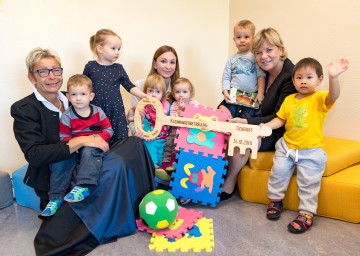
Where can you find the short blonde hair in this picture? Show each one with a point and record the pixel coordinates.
(155, 81)
(245, 24)
(80, 80)
(271, 36)
(37, 54)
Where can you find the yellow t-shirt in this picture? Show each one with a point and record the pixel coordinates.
(304, 120)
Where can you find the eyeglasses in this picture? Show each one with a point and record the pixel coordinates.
(44, 72)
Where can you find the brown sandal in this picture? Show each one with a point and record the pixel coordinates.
(300, 224)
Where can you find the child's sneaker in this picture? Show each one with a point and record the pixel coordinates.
(77, 194)
(162, 174)
(51, 208)
(170, 168)
(301, 223)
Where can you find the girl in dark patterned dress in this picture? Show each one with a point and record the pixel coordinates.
(107, 76)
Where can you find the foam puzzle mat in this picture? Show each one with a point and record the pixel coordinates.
(199, 238)
(203, 140)
(198, 178)
(200, 167)
(185, 220)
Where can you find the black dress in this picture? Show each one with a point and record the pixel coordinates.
(110, 211)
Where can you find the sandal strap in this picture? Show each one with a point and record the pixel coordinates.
(274, 206)
(304, 221)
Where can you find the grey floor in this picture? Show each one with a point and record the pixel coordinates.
(240, 228)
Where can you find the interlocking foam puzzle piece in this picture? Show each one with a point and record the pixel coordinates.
(200, 238)
(198, 178)
(198, 140)
(185, 220)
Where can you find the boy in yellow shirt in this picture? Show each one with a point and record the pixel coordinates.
(303, 115)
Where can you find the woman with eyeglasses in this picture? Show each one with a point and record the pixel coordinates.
(110, 210)
(271, 56)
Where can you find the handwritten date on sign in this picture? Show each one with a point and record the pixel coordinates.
(241, 135)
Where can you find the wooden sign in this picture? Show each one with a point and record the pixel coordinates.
(241, 135)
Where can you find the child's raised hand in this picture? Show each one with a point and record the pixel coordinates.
(338, 67)
(181, 106)
(182, 103)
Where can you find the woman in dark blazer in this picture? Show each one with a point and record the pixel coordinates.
(109, 212)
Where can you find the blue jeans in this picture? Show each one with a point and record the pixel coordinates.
(89, 161)
(240, 111)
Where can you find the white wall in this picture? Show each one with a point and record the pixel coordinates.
(201, 32)
(197, 29)
(326, 30)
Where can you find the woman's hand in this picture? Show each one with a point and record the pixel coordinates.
(238, 120)
(89, 141)
(97, 142)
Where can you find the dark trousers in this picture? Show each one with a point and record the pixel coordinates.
(239, 110)
(89, 161)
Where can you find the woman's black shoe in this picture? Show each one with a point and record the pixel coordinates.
(225, 196)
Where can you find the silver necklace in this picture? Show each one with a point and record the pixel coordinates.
(60, 106)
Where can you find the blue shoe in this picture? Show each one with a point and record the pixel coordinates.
(77, 194)
(51, 208)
